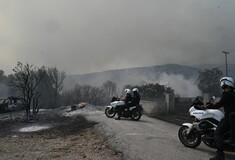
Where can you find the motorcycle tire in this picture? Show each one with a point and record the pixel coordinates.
(110, 113)
(135, 114)
(191, 140)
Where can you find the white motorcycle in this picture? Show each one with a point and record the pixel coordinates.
(202, 128)
(134, 112)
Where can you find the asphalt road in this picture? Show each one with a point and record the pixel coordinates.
(148, 139)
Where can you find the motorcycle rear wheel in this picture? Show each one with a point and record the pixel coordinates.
(110, 113)
(135, 114)
(191, 140)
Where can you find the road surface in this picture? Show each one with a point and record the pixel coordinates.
(147, 139)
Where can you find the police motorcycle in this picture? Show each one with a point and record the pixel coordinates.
(203, 127)
(134, 112)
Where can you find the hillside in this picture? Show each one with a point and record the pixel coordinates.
(131, 75)
(179, 77)
(171, 75)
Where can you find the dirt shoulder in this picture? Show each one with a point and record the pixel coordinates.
(72, 138)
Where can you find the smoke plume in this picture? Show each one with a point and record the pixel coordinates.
(183, 87)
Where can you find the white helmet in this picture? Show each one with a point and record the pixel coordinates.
(135, 90)
(127, 91)
(227, 81)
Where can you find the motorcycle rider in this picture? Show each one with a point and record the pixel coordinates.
(136, 97)
(227, 101)
(127, 100)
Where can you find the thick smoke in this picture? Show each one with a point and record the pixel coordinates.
(183, 87)
(78, 36)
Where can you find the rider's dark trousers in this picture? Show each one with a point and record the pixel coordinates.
(232, 125)
(122, 108)
(222, 127)
(127, 106)
(119, 111)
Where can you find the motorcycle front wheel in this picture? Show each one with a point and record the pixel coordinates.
(191, 140)
(109, 112)
(135, 114)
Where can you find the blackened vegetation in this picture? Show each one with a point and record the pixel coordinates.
(94, 95)
(68, 126)
(38, 87)
(208, 81)
(61, 126)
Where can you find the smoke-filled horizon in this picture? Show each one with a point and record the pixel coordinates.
(80, 36)
(182, 87)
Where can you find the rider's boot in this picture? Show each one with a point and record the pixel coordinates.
(119, 116)
(219, 156)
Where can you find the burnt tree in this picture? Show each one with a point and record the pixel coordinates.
(26, 79)
(56, 77)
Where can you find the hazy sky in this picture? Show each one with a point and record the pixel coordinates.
(80, 36)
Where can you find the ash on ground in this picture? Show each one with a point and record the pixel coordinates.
(53, 134)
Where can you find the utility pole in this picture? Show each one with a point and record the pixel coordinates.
(226, 63)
